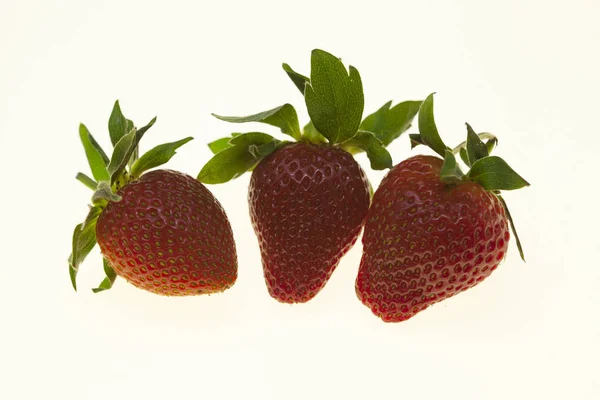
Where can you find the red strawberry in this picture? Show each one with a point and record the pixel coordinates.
(307, 205)
(168, 235)
(162, 230)
(433, 232)
(308, 200)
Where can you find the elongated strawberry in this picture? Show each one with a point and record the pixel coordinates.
(161, 230)
(308, 198)
(432, 231)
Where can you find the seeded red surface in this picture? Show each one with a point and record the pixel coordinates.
(307, 205)
(426, 241)
(169, 235)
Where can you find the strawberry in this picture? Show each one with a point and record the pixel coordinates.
(432, 231)
(161, 230)
(308, 197)
(307, 205)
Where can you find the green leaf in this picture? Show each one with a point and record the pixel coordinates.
(299, 80)
(118, 125)
(157, 156)
(428, 129)
(124, 150)
(389, 123)
(464, 156)
(476, 149)
(378, 156)
(104, 194)
(234, 161)
(92, 217)
(312, 135)
(97, 158)
(84, 241)
(334, 98)
(491, 143)
(86, 180)
(219, 145)
(284, 117)
(450, 172)
(111, 276)
(121, 154)
(493, 173)
(415, 140)
(512, 227)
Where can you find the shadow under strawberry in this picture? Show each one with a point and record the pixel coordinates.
(308, 198)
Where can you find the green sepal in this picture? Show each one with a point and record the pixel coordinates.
(235, 160)
(284, 117)
(121, 154)
(84, 241)
(476, 149)
(299, 80)
(464, 156)
(415, 140)
(92, 217)
(107, 282)
(86, 180)
(124, 150)
(450, 172)
(104, 194)
(493, 173)
(389, 123)
(312, 135)
(428, 128)
(491, 144)
(118, 125)
(219, 145)
(379, 157)
(512, 227)
(334, 98)
(159, 155)
(97, 158)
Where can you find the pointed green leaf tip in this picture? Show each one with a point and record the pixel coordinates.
(334, 98)
(159, 155)
(493, 173)
(237, 159)
(118, 125)
(284, 117)
(299, 80)
(428, 129)
(512, 227)
(84, 240)
(389, 123)
(108, 282)
(476, 149)
(97, 158)
(379, 157)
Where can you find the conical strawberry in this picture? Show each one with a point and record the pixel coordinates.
(309, 198)
(161, 230)
(432, 231)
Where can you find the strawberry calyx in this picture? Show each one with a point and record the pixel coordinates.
(334, 100)
(109, 175)
(491, 172)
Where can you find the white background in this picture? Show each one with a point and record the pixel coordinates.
(525, 70)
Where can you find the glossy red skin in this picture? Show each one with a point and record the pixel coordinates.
(169, 235)
(307, 204)
(425, 241)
